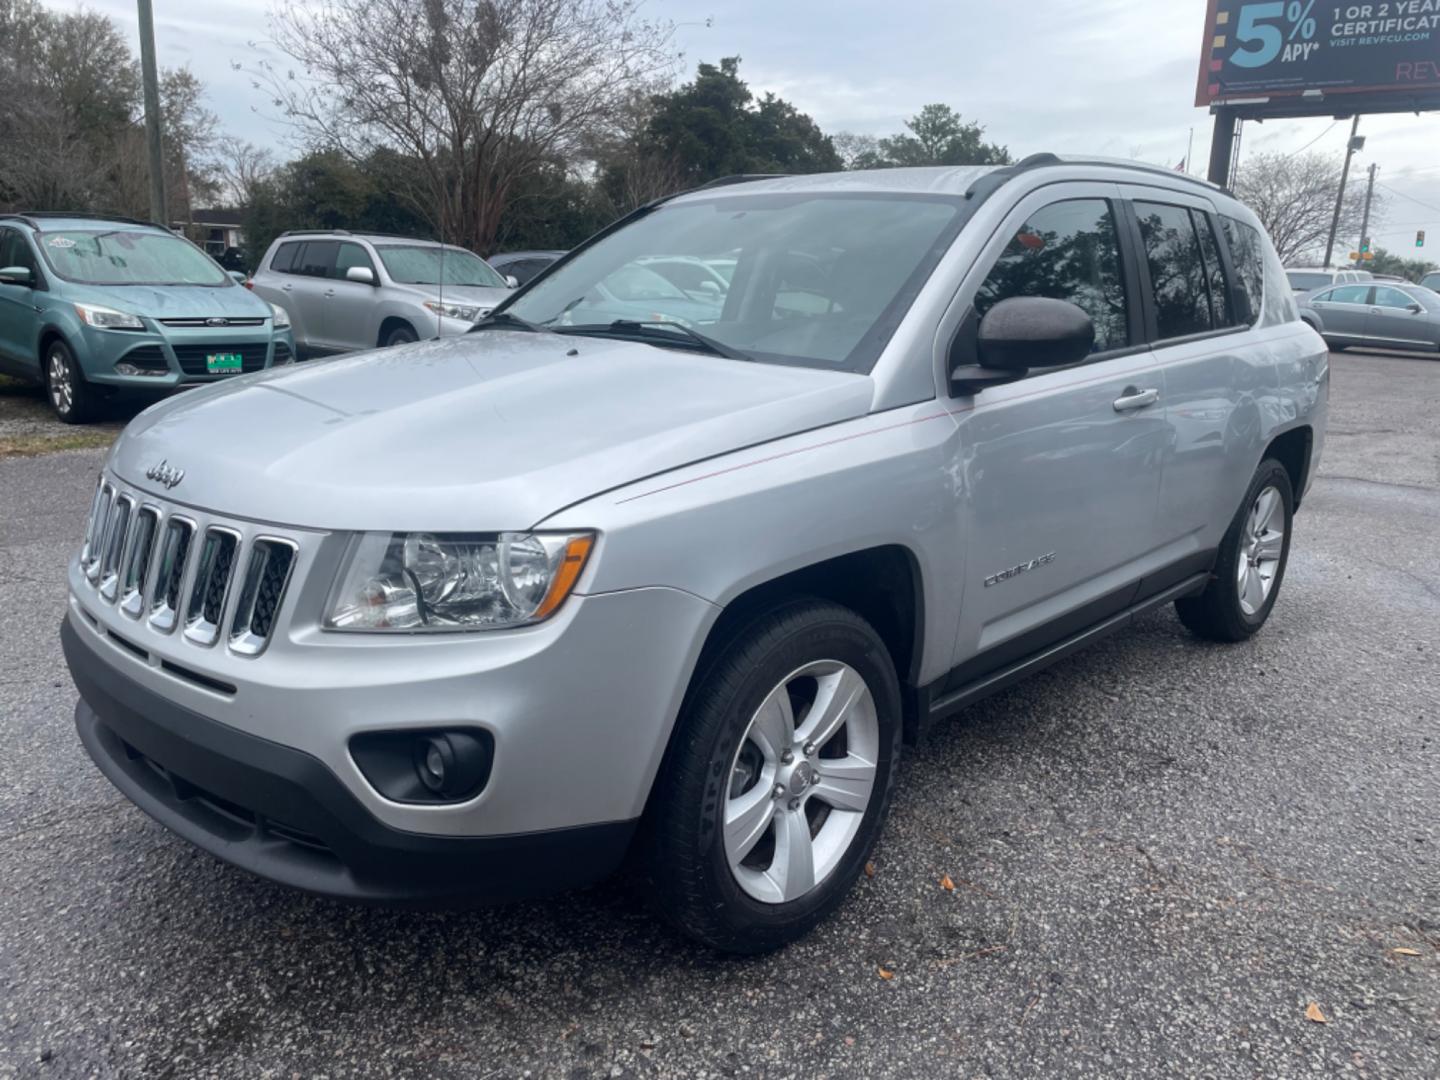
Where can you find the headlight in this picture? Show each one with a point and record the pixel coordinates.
(104, 318)
(465, 312)
(282, 317)
(455, 581)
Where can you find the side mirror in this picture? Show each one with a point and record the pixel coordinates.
(237, 276)
(17, 275)
(363, 274)
(512, 281)
(1015, 336)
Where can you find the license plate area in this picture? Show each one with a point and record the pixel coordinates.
(225, 363)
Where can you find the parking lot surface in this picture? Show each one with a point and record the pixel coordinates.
(1163, 853)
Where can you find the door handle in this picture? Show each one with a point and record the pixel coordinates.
(329, 293)
(287, 286)
(1134, 398)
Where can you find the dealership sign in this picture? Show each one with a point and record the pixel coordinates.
(1277, 48)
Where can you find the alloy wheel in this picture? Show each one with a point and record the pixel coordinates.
(62, 392)
(801, 781)
(1261, 546)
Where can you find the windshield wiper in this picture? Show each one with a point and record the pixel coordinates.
(503, 320)
(657, 330)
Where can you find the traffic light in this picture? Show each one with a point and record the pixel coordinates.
(1365, 246)
(1420, 238)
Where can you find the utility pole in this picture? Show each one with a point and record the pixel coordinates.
(1355, 143)
(1365, 221)
(153, 135)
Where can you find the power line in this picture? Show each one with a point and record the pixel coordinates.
(1312, 142)
(1409, 198)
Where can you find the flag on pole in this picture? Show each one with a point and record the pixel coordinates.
(1181, 166)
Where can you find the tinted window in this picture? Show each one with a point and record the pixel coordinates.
(1177, 271)
(1431, 281)
(317, 259)
(1220, 314)
(352, 255)
(1349, 294)
(1067, 251)
(14, 251)
(284, 261)
(1392, 298)
(1247, 255)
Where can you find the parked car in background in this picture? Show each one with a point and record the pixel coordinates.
(92, 306)
(575, 585)
(1380, 315)
(1431, 281)
(1304, 279)
(523, 265)
(350, 291)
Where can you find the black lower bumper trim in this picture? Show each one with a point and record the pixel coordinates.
(282, 814)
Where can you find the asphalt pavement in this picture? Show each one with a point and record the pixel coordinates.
(1163, 853)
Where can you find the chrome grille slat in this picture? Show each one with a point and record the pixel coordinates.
(102, 530)
(267, 574)
(119, 529)
(170, 567)
(135, 572)
(214, 569)
(164, 567)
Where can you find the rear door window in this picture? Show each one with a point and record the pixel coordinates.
(1067, 251)
(1349, 294)
(1178, 280)
(1220, 313)
(317, 259)
(1392, 298)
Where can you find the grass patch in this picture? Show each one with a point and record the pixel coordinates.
(49, 443)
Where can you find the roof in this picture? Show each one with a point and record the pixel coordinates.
(965, 180)
(71, 220)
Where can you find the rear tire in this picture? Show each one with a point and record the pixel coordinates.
(769, 802)
(71, 397)
(1250, 565)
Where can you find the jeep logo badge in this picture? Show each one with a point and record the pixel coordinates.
(165, 473)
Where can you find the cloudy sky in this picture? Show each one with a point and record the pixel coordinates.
(1113, 77)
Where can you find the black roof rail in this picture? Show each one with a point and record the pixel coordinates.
(34, 217)
(316, 232)
(986, 185)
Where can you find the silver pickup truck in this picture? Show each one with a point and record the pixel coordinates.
(679, 576)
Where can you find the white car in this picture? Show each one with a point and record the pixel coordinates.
(1304, 279)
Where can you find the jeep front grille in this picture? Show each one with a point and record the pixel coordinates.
(164, 568)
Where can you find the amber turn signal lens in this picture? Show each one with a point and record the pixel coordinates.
(576, 552)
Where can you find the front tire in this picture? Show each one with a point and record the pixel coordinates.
(70, 395)
(1250, 565)
(403, 334)
(778, 779)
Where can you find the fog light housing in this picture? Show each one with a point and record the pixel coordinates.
(429, 766)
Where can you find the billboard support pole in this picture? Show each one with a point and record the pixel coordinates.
(1340, 198)
(1222, 146)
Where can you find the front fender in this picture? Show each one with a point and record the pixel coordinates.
(719, 528)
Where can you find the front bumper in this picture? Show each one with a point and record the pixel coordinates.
(176, 356)
(283, 814)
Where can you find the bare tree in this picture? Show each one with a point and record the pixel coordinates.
(857, 151)
(242, 168)
(479, 92)
(1294, 197)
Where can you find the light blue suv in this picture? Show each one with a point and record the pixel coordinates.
(92, 306)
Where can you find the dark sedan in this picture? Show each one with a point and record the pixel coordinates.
(1376, 315)
(523, 265)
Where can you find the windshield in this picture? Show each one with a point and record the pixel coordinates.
(1431, 281)
(817, 280)
(123, 257)
(425, 265)
(1303, 282)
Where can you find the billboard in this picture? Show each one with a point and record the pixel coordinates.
(1288, 48)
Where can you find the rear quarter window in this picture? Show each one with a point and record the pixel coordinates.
(284, 260)
(1247, 253)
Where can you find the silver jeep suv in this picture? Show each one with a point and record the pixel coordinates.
(350, 291)
(473, 618)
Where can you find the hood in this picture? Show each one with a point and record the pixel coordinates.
(179, 301)
(492, 431)
(462, 294)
